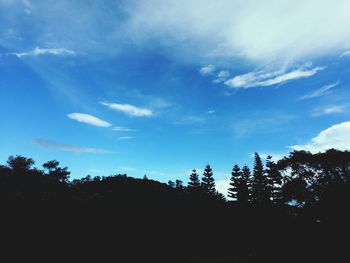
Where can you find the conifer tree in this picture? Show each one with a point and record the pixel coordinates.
(259, 182)
(274, 180)
(208, 182)
(244, 193)
(233, 191)
(194, 180)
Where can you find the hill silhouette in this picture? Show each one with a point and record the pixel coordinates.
(295, 210)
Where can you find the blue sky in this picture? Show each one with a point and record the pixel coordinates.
(161, 87)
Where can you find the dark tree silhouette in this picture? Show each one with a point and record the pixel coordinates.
(244, 189)
(19, 164)
(235, 181)
(260, 194)
(56, 172)
(179, 184)
(194, 180)
(171, 184)
(274, 181)
(208, 182)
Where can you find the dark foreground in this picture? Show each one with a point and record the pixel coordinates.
(122, 219)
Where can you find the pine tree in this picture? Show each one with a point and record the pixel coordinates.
(259, 182)
(194, 180)
(233, 191)
(274, 180)
(244, 193)
(208, 182)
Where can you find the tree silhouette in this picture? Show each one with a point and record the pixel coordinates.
(233, 191)
(260, 193)
(56, 172)
(179, 184)
(274, 180)
(194, 180)
(20, 165)
(208, 182)
(244, 189)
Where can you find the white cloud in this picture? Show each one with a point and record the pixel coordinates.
(129, 109)
(264, 79)
(55, 146)
(207, 31)
(329, 110)
(209, 112)
(122, 129)
(280, 31)
(125, 138)
(222, 186)
(320, 92)
(44, 51)
(207, 70)
(336, 136)
(89, 119)
(222, 76)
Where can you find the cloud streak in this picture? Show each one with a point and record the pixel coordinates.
(329, 110)
(207, 70)
(55, 146)
(44, 51)
(122, 129)
(129, 109)
(88, 119)
(336, 136)
(320, 92)
(265, 79)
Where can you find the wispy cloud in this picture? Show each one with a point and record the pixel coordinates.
(207, 70)
(125, 138)
(89, 119)
(44, 51)
(279, 32)
(320, 92)
(265, 79)
(129, 109)
(122, 129)
(247, 127)
(329, 110)
(55, 146)
(222, 76)
(336, 136)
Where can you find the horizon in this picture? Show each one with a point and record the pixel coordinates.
(160, 88)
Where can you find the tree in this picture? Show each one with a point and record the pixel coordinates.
(178, 184)
(244, 195)
(171, 184)
(274, 180)
(56, 172)
(259, 182)
(233, 191)
(19, 164)
(194, 180)
(208, 182)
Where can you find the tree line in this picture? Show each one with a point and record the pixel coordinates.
(295, 209)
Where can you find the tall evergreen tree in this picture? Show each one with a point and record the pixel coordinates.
(194, 180)
(233, 191)
(208, 182)
(244, 193)
(259, 182)
(274, 180)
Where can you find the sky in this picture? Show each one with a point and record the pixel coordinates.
(161, 87)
